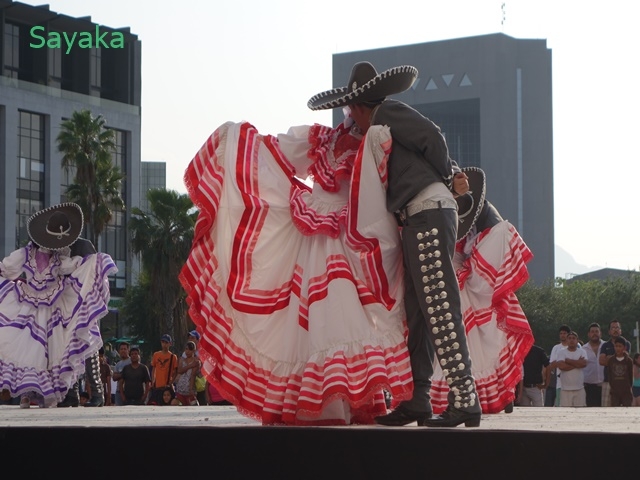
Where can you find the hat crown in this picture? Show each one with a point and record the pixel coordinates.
(366, 85)
(361, 73)
(56, 227)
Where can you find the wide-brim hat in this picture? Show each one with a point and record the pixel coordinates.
(470, 204)
(366, 85)
(56, 227)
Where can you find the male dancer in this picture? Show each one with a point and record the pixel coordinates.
(421, 191)
(83, 247)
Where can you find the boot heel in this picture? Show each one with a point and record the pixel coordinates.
(474, 422)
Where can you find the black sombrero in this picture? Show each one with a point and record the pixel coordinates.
(470, 204)
(56, 227)
(366, 85)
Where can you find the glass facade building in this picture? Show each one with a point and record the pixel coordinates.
(42, 87)
(491, 96)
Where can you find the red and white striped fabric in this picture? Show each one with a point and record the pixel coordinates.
(297, 291)
(498, 333)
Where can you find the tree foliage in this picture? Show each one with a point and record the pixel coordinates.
(578, 304)
(87, 147)
(162, 238)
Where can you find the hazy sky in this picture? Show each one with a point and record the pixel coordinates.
(200, 58)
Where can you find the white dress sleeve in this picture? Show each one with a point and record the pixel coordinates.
(69, 264)
(12, 266)
(295, 146)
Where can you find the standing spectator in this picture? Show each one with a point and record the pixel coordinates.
(135, 382)
(563, 331)
(534, 379)
(188, 367)
(550, 392)
(194, 337)
(571, 361)
(620, 374)
(105, 376)
(593, 372)
(607, 351)
(123, 352)
(164, 364)
(635, 389)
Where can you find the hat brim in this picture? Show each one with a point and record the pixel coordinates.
(41, 236)
(470, 204)
(391, 81)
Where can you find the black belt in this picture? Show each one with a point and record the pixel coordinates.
(531, 385)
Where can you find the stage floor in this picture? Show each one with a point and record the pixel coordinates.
(221, 443)
(594, 420)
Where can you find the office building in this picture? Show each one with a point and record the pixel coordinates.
(43, 80)
(492, 97)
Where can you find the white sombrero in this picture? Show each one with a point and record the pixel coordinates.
(366, 85)
(56, 227)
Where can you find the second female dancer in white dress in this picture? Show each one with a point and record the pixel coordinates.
(50, 307)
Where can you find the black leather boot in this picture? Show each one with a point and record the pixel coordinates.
(72, 398)
(92, 375)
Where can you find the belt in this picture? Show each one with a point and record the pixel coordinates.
(531, 385)
(414, 208)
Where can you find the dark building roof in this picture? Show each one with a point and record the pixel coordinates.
(37, 15)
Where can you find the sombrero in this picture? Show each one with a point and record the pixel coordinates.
(366, 85)
(470, 204)
(56, 227)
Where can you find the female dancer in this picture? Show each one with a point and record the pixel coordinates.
(297, 291)
(490, 261)
(50, 304)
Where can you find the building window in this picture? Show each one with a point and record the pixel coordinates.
(459, 121)
(55, 67)
(11, 50)
(96, 70)
(114, 241)
(30, 181)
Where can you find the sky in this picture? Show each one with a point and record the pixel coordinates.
(205, 62)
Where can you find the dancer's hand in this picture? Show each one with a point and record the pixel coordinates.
(460, 184)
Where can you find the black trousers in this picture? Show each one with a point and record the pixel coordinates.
(434, 317)
(594, 394)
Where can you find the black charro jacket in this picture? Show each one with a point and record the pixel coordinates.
(419, 154)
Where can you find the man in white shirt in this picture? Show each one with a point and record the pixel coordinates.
(553, 359)
(593, 372)
(571, 362)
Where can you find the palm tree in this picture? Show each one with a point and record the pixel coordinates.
(87, 146)
(163, 238)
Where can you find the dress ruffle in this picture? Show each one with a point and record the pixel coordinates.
(498, 333)
(297, 292)
(49, 320)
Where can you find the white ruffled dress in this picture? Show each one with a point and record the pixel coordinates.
(50, 305)
(297, 291)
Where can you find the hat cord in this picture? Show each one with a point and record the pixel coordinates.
(62, 233)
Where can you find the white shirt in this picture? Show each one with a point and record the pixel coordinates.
(572, 379)
(554, 358)
(593, 372)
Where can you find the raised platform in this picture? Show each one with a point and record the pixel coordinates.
(219, 443)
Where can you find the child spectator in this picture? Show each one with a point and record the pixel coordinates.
(188, 367)
(620, 373)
